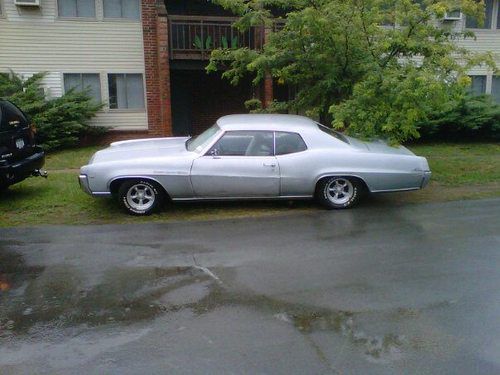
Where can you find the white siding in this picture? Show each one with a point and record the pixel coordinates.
(35, 40)
(486, 40)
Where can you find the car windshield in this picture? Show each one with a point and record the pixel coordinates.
(197, 144)
(333, 133)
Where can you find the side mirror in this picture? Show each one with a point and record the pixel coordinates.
(214, 152)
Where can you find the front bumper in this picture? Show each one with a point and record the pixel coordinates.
(425, 179)
(22, 169)
(84, 184)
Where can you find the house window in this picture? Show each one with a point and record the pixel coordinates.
(82, 82)
(472, 23)
(478, 86)
(498, 16)
(76, 8)
(122, 9)
(495, 89)
(126, 91)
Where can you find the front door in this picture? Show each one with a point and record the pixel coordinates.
(240, 165)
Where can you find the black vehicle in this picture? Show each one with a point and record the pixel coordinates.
(20, 157)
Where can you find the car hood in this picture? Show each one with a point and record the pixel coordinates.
(142, 148)
(378, 147)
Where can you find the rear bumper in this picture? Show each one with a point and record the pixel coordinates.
(22, 169)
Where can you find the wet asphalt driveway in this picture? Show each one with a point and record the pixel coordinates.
(375, 290)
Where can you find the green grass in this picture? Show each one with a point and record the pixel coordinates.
(460, 171)
(459, 164)
(70, 159)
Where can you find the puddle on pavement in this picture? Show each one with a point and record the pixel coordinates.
(34, 299)
(57, 296)
(308, 320)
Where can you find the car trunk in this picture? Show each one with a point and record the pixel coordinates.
(16, 137)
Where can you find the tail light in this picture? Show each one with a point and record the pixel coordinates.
(32, 133)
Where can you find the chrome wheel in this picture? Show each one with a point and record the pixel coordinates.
(141, 197)
(339, 191)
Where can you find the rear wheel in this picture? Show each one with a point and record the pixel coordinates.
(140, 197)
(339, 192)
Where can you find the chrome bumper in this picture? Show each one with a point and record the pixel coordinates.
(426, 178)
(84, 184)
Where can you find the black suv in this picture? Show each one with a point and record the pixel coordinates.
(19, 156)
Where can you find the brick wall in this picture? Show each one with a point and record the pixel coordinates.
(155, 35)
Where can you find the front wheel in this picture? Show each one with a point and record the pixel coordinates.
(140, 197)
(339, 192)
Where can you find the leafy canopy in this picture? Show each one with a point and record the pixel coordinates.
(371, 67)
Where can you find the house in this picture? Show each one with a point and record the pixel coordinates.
(145, 59)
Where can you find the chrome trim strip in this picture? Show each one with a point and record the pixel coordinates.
(394, 190)
(242, 198)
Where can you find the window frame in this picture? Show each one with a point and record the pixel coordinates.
(494, 6)
(72, 18)
(273, 154)
(290, 153)
(493, 78)
(101, 99)
(485, 91)
(209, 150)
(122, 19)
(129, 110)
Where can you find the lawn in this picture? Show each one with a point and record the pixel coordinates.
(460, 171)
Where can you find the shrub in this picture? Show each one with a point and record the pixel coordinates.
(60, 122)
(471, 118)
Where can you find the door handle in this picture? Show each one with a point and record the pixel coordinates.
(272, 165)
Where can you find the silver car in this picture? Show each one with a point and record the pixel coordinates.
(252, 157)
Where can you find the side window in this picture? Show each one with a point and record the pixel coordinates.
(244, 143)
(289, 143)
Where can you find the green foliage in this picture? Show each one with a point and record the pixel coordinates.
(61, 122)
(471, 118)
(254, 105)
(369, 67)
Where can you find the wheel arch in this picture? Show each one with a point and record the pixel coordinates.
(114, 184)
(346, 175)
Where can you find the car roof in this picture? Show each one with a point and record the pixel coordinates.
(266, 122)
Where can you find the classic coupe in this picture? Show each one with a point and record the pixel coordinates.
(252, 157)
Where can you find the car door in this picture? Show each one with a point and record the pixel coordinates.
(241, 164)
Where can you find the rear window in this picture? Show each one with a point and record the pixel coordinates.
(333, 133)
(11, 117)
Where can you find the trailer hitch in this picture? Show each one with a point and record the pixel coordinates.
(40, 173)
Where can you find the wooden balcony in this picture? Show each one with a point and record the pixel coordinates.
(194, 37)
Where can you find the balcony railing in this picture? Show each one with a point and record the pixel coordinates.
(194, 37)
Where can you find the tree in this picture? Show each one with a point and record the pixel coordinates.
(370, 67)
(60, 122)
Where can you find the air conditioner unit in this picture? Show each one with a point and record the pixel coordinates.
(455, 15)
(27, 3)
